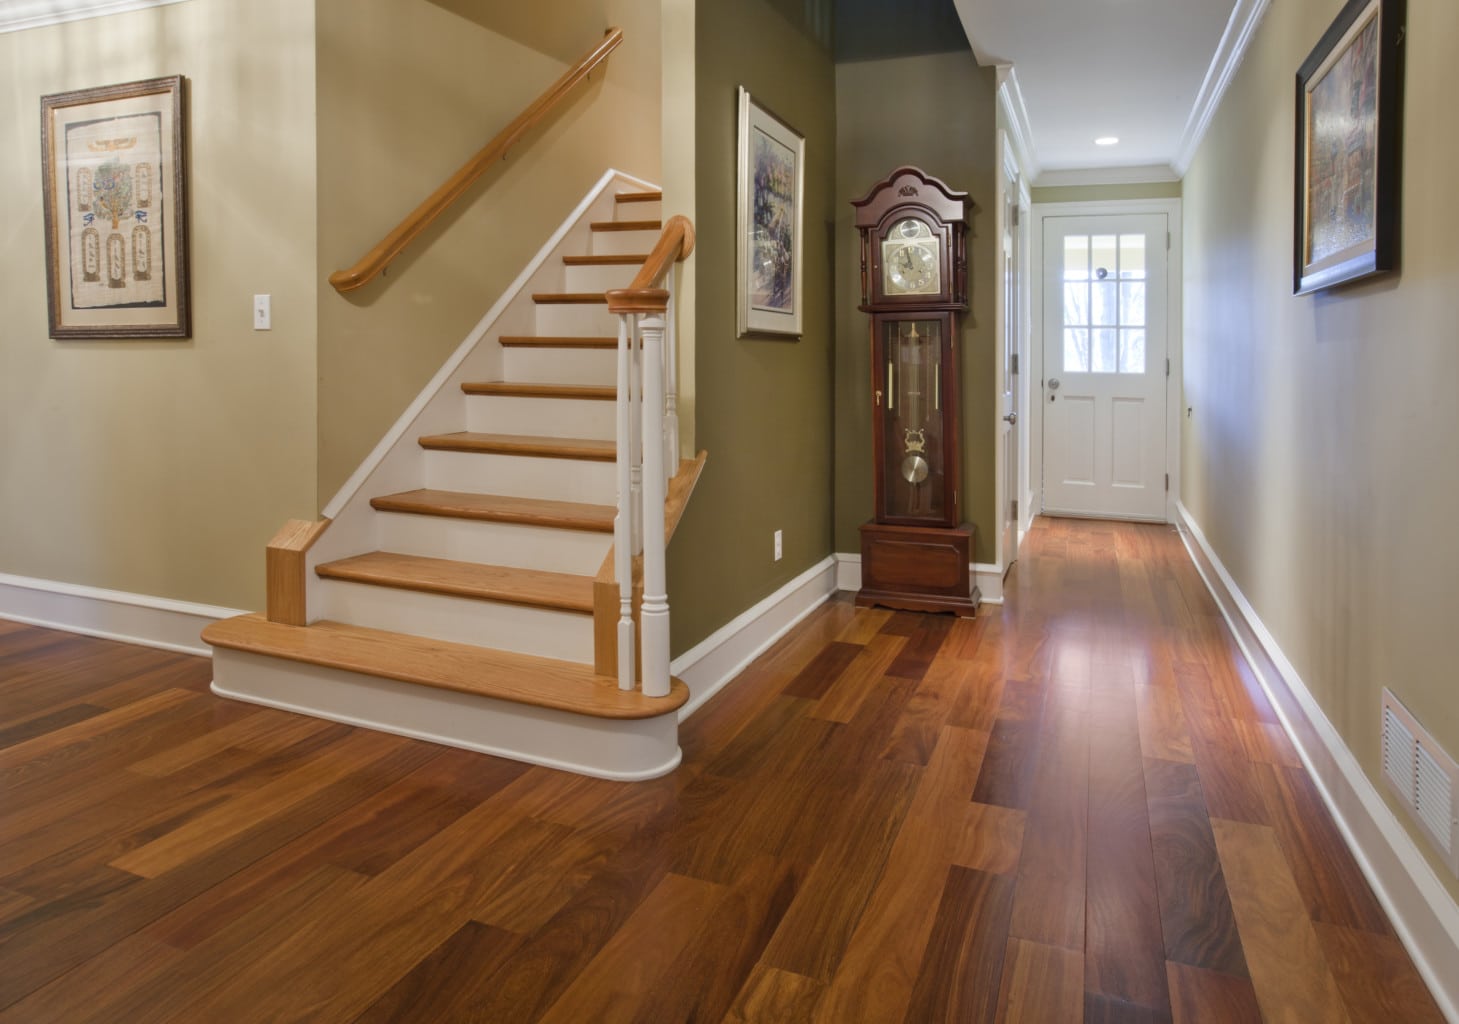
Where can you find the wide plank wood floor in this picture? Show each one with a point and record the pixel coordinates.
(1076, 806)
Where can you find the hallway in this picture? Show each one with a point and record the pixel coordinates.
(1076, 806)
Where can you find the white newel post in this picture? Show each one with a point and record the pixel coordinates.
(671, 384)
(654, 614)
(623, 520)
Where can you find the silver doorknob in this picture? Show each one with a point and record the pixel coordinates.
(1011, 418)
(1053, 383)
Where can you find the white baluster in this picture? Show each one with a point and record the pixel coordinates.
(671, 383)
(623, 520)
(635, 432)
(654, 615)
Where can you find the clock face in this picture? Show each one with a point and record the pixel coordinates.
(910, 264)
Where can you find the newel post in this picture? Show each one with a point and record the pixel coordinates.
(623, 521)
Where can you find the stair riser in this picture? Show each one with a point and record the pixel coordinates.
(547, 633)
(522, 476)
(562, 365)
(573, 318)
(541, 417)
(610, 749)
(638, 211)
(600, 278)
(513, 544)
(623, 243)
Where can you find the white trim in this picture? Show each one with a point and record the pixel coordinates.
(1137, 175)
(989, 578)
(1240, 28)
(1020, 129)
(1423, 913)
(20, 15)
(710, 665)
(110, 614)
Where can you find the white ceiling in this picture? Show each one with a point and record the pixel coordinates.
(1147, 71)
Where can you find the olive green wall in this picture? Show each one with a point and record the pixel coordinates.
(409, 90)
(1102, 193)
(949, 133)
(163, 467)
(763, 406)
(1318, 456)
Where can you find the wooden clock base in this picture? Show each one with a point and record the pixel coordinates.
(918, 568)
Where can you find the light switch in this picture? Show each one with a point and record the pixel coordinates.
(262, 317)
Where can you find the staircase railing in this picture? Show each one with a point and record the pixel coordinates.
(648, 451)
(374, 262)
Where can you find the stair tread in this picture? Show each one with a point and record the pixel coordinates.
(518, 389)
(519, 678)
(523, 444)
(556, 590)
(627, 225)
(558, 341)
(566, 298)
(502, 508)
(639, 197)
(605, 261)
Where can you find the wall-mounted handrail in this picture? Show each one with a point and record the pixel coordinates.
(378, 258)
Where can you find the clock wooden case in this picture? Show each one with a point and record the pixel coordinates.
(916, 551)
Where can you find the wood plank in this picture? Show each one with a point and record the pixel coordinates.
(520, 389)
(843, 700)
(500, 508)
(558, 591)
(627, 225)
(570, 298)
(1041, 984)
(1012, 757)
(773, 996)
(815, 679)
(447, 980)
(921, 647)
(605, 261)
(963, 967)
(1163, 730)
(590, 449)
(285, 572)
(654, 196)
(557, 341)
(1378, 981)
(920, 724)
(1199, 996)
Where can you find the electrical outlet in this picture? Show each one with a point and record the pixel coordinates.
(262, 313)
(779, 546)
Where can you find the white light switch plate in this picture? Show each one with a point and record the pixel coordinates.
(262, 315)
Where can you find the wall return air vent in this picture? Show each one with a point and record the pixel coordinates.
(1424, 777)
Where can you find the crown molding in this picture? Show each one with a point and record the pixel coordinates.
(19, 15)
(1240, 28)
(1020, 131)
(1137, 175)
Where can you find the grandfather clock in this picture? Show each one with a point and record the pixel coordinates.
(915, 553)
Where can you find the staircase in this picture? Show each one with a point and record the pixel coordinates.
(450, 591)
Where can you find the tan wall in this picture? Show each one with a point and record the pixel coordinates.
(949, 133)
(1103, 193)
(162, 467)
(763, 406)
(409, 90)
(1318, 458)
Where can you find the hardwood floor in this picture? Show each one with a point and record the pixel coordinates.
(1075, 806)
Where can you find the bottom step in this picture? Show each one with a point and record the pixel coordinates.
(537, 710)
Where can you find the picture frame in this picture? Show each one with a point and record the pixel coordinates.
(114, 182)
(770, 214)
(1349, 147)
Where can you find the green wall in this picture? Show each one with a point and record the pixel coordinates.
(949, 133)
(763, 406)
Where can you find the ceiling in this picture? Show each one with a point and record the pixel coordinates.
(1146, 71)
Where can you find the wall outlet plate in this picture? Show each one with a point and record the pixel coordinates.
(779, 546)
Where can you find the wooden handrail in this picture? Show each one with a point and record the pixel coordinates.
(389, 247)
(644, 295)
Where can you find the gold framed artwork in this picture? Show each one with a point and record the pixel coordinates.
(769, 213)
(114, 181)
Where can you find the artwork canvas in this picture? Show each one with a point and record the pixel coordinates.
(115, 211)
(771, 185)
(1347, 186)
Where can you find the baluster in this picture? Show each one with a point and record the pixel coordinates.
(654, 615)
(671, 383)
(635, 432)
(623, 520)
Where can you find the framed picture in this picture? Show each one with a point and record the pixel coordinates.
(1349, 123)
(771, 200)
(116, 211)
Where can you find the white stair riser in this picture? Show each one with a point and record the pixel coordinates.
(525, 365)
(595, 278)
(638, 211)
(541, 417)
(515, 544)
(567, 636)
(573, 319)
(624, 243)
(523, 476)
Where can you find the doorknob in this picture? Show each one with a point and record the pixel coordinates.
(1011, 418)
(1053, 383)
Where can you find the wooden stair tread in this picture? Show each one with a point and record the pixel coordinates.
(567, 298)
(556, 590)
(522, 444)
(516, 389)
(557, 341)
(627, 225)
(638, 197)
(604, 261)
(500, 508)
(519, 678)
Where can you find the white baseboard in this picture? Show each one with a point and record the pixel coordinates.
(110, 614)
(989, 578)
(1424, 915)
(712, 663)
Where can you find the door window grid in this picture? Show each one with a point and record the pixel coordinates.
(1104, 303)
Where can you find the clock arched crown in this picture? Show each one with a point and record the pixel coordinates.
(902, 264)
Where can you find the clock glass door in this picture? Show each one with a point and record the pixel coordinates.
(912, 441)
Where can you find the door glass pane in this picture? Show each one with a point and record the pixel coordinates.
(1103, 256)
(1076, 304)
(1102, 354)
(1132, 351)
(1132, 303)
(1076, 351)
(1076, 258)
(1132, 257)
(1103, 295)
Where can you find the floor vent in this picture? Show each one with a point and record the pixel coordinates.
(1423, 776)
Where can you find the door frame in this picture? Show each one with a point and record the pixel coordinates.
(1010, 174)
(1174, 347)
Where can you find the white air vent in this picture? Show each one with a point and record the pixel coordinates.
(1423, 776)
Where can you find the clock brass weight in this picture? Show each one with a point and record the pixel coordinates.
(916, 553)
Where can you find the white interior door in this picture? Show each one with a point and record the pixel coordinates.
(1104, 365)
(1012, 331)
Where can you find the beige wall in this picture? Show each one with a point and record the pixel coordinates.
(409, 90)
(1318, 457)
(950, 133)
(1103, 193)
(162, 467)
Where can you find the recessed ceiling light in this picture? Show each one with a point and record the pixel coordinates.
(1107, 140)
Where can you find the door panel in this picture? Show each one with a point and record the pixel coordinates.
(1104, 365)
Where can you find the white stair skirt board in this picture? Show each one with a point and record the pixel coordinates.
(522, 476)
(600, 278)
(713, 663)
(531, 365)
(622, 749)
(987, 578)
(541, 417)
(110, 614)
(623, 243)
(556, 319)
(521, 546)
(548, 633)
(1425, 917)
